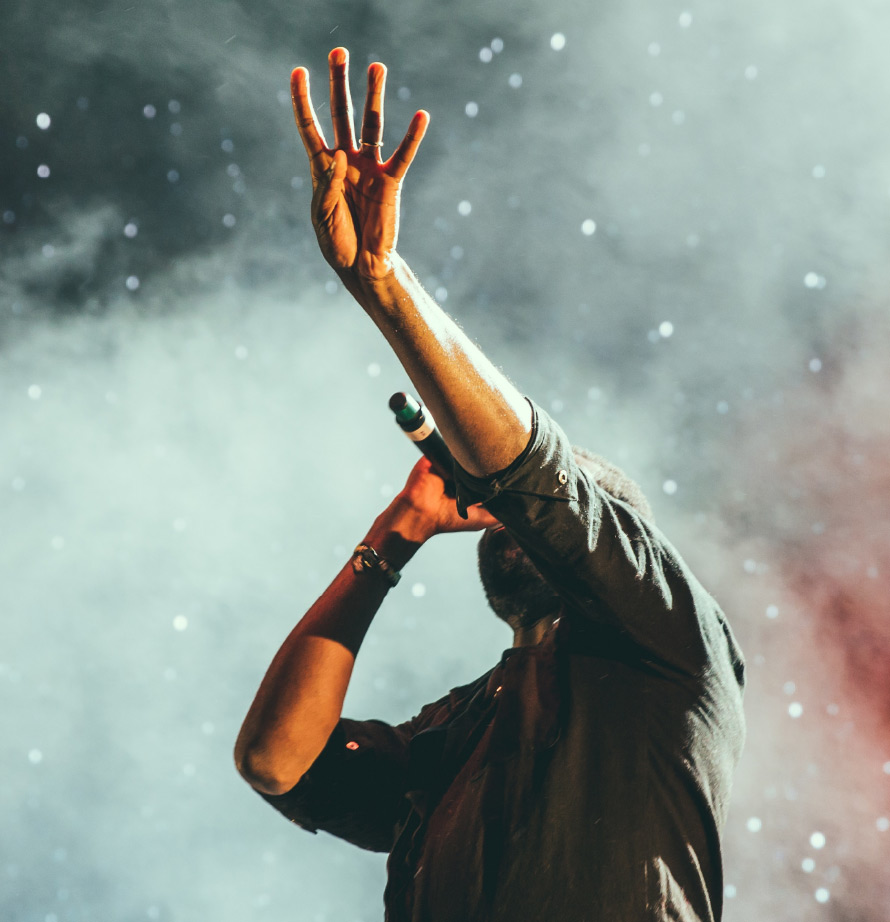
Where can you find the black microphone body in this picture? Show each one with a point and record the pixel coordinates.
(417, 423)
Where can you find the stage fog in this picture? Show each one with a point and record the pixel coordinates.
(668, 224)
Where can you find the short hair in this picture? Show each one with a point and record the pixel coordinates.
(613, 480)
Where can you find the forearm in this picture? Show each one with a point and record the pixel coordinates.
(483, 418)
(301, 696)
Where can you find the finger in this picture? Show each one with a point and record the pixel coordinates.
(398, 163)
(304, 114)
(341, 100)
(424, 465)
(372, 120)
(479, 518)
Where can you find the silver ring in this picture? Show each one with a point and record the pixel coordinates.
(362, 143)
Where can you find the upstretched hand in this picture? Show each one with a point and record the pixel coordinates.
(355, 201)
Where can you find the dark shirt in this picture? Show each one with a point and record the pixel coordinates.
(583, 779)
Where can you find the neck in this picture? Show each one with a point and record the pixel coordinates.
(534, 634)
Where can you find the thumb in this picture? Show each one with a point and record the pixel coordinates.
(330, 184)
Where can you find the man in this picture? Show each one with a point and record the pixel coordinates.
(586, 776)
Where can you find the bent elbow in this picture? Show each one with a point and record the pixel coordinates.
(264, 774)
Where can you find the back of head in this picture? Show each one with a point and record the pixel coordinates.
(613, 480)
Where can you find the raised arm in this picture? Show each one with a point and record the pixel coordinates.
(355, 211)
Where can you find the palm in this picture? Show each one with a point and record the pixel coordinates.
(355, 205)
(362, 224)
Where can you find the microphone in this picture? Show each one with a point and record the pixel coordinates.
(418, 424)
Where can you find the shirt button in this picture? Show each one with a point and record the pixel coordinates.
(562, 477)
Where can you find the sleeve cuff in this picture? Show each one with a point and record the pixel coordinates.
(472, 490)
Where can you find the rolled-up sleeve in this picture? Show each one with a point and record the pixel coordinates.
(355, 787)
(607, 561)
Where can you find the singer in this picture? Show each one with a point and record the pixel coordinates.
(586, 776)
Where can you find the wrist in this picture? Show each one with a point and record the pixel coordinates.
(377, 274)
(371, 285)
(365, 557)
(399, 532)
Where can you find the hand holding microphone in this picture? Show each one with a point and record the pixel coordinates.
(417, 423)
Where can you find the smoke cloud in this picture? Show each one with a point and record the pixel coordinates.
(667, 223)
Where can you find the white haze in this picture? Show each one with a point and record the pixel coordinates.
(188, 458)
